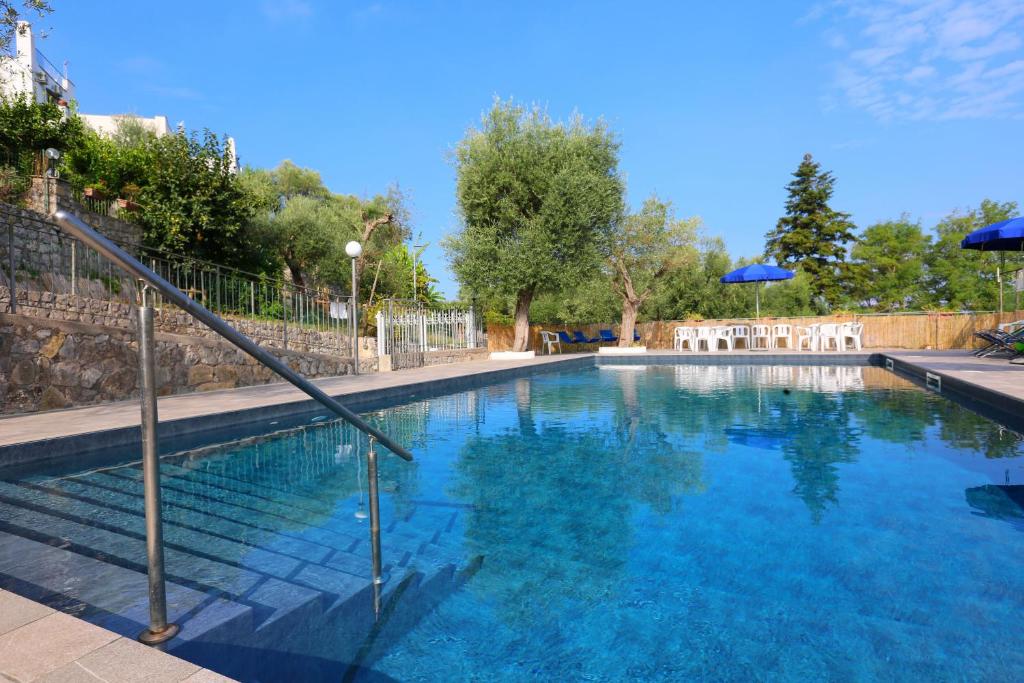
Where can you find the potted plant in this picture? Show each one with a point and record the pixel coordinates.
(127, 199)
(97, 190)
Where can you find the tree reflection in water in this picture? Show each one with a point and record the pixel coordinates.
(585, 476)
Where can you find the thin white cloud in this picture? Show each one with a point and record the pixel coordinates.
(927, 59)
(920, 73)
(284, 10)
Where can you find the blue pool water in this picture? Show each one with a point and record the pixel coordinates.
(614, 523)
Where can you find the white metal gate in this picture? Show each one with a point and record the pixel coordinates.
(406, 331)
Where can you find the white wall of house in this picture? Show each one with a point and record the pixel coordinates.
(106, 124)
(29, 72)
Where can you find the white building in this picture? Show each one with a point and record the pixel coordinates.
(30, 72)
(107, 125)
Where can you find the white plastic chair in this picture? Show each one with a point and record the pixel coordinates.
(829, 332)
(808, 335)
(702, 335)
(782, 333)
(549, 340)
(853, 332)
(719, 334)
(683, 336)
(741, 332)
(758, 332)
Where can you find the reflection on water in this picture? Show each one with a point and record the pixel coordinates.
(998, 501)
(667, 522)
(623, 522)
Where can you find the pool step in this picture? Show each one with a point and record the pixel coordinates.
(191, 519)
(108, 595)
(249, 567)
(222, 505)
(213, 627)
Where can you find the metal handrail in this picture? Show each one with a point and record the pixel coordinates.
(79, 229)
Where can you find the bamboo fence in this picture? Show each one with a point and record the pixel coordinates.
(881, 331)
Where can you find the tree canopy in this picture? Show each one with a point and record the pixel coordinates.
(535, 198)
(888, 271)
(308, 226)
(27, 127)
(959, 278)
(12, 12)
(812, 234)
(647, 246)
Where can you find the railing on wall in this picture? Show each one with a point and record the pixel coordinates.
(406, 330)
(55, 272)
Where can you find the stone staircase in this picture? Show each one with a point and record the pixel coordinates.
(266, 582)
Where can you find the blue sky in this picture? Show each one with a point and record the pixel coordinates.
(916, 105)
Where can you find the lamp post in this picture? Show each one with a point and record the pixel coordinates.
(354, 250)
(415, 255)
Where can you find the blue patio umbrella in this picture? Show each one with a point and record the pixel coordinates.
(757, 273)
(1002, 236)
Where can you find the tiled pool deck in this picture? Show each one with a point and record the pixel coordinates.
(40, 644)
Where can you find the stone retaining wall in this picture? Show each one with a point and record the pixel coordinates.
(454, 356)
(49, 194)
(41, 303)
(48, 364)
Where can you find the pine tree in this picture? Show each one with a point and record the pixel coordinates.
(812, 235)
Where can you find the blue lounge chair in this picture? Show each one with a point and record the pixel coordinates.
(607, 336)
(636, 335)
(581, 338)
(564, 337)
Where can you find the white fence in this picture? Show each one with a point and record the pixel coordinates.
(406, 330)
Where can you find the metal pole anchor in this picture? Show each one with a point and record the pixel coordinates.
(159, 630)
(371, 474)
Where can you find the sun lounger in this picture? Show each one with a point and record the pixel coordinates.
(1000, 342)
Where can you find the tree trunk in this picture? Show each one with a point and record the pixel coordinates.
(296, 272)
(522, 321)
(629, 311)
(370, 227)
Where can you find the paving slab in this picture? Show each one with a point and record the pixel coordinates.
(47, 644)
(53, 647)
(16, 611)
(132, 662)
(207, 676)
(992, 373)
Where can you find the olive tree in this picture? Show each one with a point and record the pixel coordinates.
(307, 226)
(646, 246)
(535, 199)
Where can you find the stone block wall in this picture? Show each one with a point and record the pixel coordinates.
(49, 194)
(454, 356)
(45, 303)
(48, 364)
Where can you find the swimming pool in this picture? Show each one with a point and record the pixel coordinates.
(614, 522)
